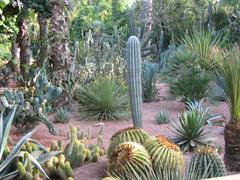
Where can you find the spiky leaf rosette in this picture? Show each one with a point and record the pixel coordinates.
(190, 130)
(130, 134)
(206, 157)
(130, 161)
(167, 158)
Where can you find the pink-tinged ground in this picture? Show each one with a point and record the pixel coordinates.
(95, 171)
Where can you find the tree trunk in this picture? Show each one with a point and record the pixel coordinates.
(232, 146)
(60, 51)
(24, 44)
(43, 28)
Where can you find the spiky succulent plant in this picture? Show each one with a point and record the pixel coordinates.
(130, 160)
(162, 117)
(167, 158)
(130, 134)
(190, 130)
(206, 157)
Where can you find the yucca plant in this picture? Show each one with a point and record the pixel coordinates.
(228, 73)
(105, 99)
(205, 45)
(189, 130)
(61, 115)
(163, 117)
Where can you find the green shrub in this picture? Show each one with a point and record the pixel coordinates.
(105, 99)
(192, 84)
(189, 130)
(163, 117)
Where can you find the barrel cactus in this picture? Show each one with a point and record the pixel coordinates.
(130, 161)
(167, 158)
(207, 163)
(130, 134)
(134, 64)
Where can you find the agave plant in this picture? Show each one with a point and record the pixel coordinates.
(189, 130)
(105, 99)
(6, 171)
(163, 117)
(228, 73)
(205, 111)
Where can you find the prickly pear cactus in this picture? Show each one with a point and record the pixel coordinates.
(129, 159)
(167, 158)
(207, 162)
(134, 64)
(127, 135)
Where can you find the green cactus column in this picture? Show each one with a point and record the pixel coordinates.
(134, 63)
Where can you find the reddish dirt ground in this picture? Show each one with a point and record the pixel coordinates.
(95, 171)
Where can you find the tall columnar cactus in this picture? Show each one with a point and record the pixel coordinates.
(167, 158)
(130, 160)
(127, 135)
(134, 63)
(207, 163)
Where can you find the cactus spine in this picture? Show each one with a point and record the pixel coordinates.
(134, 63)
(207, 163)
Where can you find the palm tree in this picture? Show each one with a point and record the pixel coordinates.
(59, 39)
(229, 75)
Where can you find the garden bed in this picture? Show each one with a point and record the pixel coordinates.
(95, 171)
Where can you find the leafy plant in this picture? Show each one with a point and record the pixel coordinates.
(105, 99)
(189, 130)
(205, 45)
(163, 117)
(61, 115)
(192, 84)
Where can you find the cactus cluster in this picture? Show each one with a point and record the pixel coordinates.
(167, 158)
(59, 168)
(77, 152)
(127, 158)
(130, 134)
(26, 169)
(207, 163)
(134, 64)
